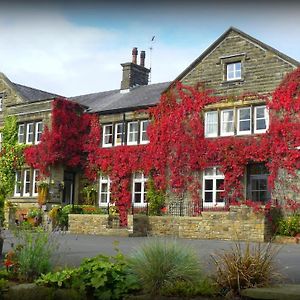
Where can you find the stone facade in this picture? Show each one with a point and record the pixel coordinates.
(240, 223)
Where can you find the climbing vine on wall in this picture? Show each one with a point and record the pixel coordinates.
(63, 142)
(11, 158)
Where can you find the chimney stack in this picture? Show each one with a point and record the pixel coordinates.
(134, 74)
(134, 55)
(142, 60)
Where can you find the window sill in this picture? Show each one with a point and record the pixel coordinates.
(233, 82)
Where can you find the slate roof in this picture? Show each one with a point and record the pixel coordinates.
(246, 36)
(114, 101)
(32, 95)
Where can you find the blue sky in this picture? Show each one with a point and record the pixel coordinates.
(77, 47)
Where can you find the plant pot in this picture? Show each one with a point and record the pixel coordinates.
(42, 194)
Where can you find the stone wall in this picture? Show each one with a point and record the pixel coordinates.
(240, 223)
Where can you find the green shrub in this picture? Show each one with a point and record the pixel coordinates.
(289, 226)
(102, 277)
(161, 264)
(155, 198)
(33, 253)
(186, 289)
(240, 268)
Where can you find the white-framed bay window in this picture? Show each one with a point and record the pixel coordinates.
(144, 139)
(261, 119)
(244, 120)
(139, 189)
(26, 183)
(29, 133)
(104, 190)
(107, 137)
(35, 178)
(18, 184)
(38, 131)
(213, 187)
(211, 124)
(132, 133)
(227, 122)
(119, 134)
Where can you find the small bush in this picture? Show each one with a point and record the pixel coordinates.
(186, 289)
(240, 268)
(33, 253)
(160, 265)
(289, 226)
(101, 277)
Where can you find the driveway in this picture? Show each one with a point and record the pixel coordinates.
(73, 248)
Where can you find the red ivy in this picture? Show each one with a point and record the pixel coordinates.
(64, 141)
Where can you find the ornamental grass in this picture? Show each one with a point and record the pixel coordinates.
(161, 264)
(245, 267)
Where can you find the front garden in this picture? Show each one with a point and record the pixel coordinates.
(158, 269)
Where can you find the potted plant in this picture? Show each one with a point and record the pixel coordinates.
(34, 216)
(43, 190)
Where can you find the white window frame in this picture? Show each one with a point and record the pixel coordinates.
(18, 180)
(132, 132)
(144, 131)
(104, 135)
(26, 194)
(34, 182)
(122, 134)
(143, 181)
(215, 134)
(37, 132)
(21, 134)
(104, 179)
(214, 191)
(29, 133)
(224, 133)
(256, 119)
(235, 77)
(241, 132)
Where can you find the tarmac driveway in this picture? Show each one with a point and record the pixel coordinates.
(73, 248)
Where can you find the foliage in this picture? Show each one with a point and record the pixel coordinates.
(155, 198)
(289, 225)
(191, 289)
(89, 193)
(35, 213)
(60, 214)
(161, 264)
(11, 159)
(64, 142)
(33, 253)
(102, 277)
(245, 267)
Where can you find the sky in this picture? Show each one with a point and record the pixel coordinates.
(76, 47)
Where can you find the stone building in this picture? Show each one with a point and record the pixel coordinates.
(234, 64)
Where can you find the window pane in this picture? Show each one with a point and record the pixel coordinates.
(227, 121)
(245, 113)
(208, 184)
(260, 112)
(138, 187)
(104, 187)
(261, 124)
(220, 184)
(218, 172)
(219, 197)
(245, 125)
(211, 123)
(209, 171)
(208, 197)
(137, 198)
(103, 198)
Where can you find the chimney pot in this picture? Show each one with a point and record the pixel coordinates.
(134, 55)
(142, 60)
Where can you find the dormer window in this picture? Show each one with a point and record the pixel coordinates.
(234, 71)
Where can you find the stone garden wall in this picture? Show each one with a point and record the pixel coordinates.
(240, 223)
